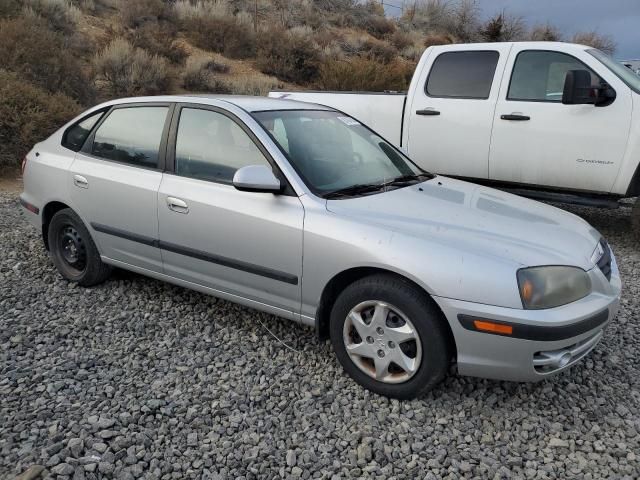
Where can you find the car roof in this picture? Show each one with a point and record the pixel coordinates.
(245, 102)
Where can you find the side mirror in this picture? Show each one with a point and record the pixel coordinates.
(578, 90)
(256, 178)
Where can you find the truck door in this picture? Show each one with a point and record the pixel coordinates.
(539, 141)
(451, 109)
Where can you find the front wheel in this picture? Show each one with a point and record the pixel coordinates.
(73, 252)
(390, 337)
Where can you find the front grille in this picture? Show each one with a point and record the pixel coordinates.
(604, 263)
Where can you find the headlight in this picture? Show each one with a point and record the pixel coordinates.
(552, 286)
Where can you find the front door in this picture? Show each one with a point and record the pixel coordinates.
(451, 114)
(539, 141)
(114, 183)
(241, 243)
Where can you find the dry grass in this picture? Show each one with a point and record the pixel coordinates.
(253, 85)
(363, 74)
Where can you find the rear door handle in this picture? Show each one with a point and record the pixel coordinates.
(427, 112)
(80, 181)
(177, 205)
(515, 117)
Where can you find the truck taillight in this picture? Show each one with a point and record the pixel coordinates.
(24, 164)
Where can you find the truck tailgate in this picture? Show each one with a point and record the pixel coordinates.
(381, 112)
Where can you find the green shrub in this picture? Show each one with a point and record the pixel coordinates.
(60, 15)
(199, 76)
(135, 13)
(225, 35)
(159, 39)
(124, 70)
(28, 114)
(290, 55)
(43, 57)
(9, 8)
(363, 74)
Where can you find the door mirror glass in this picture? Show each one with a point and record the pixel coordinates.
(256, 178)
(578, 89)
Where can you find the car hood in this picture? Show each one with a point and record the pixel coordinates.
(478, 220)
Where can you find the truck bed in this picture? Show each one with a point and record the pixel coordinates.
(380, 111)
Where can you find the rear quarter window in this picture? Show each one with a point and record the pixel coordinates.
(75, 136)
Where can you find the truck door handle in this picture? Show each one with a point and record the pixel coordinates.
(515, 116)
(80, 181)
(177, 205)
(428, 112)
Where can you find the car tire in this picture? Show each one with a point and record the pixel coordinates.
(635, 219)
(391, 308)
(73, 251)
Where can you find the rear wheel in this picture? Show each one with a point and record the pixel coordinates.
(390, 336)
(73, 252)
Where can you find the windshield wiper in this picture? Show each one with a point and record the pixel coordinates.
(404, 179)
(374, 187)
(355, 190)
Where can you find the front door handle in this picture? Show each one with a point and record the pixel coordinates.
(80, 181)
(177, 205)
(516, 117)
(428, 112)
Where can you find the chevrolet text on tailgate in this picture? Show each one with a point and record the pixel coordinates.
(547, 120)
(302, 211)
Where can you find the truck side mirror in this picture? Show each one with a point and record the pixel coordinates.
(578, 90)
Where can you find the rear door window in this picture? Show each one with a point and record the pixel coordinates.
(462, 74)
(131, 135)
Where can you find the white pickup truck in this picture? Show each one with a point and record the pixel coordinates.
(554, 121)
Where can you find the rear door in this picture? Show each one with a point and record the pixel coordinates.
(451, 111)
(114, 182)
(242, 243)
(538, 141)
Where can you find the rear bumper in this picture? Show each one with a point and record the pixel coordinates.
(32, 210)
(549, 340)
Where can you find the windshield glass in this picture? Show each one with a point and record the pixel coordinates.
(333, 152)
(625, 74)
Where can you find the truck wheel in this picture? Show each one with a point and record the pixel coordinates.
(390, 337)
(635, 218)
(73, 252)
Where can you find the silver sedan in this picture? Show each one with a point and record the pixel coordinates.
(302, 211)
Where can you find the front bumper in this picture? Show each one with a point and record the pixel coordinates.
(554, 339)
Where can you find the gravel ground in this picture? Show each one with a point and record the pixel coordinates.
(140, 379)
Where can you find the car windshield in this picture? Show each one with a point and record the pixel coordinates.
(624, 73)
(338, 156)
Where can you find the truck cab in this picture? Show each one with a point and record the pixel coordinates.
(550, 120)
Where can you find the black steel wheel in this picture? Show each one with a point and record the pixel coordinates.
(73, 251)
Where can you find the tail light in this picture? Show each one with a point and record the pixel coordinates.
(24, 164)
